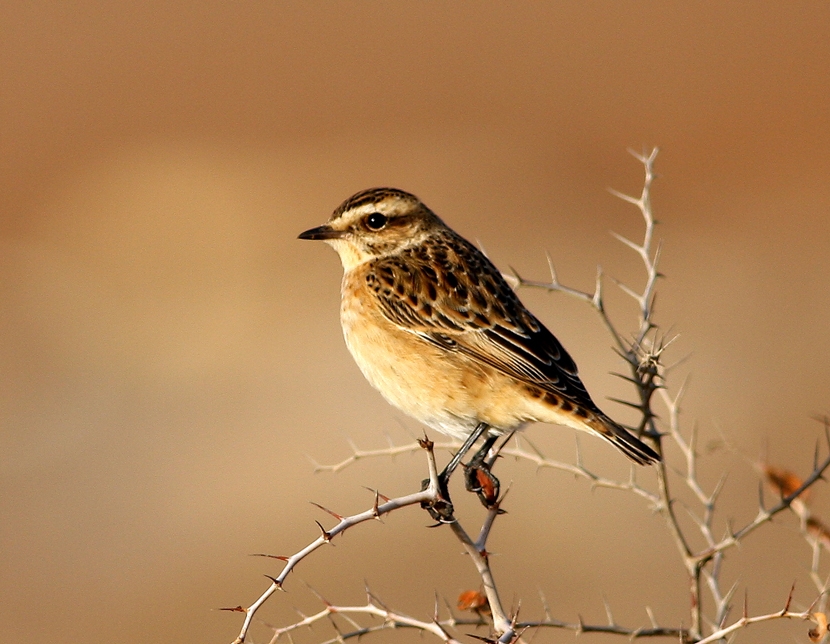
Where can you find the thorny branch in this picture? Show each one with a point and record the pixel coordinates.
(429, 495)
(503, 625)
(529, 453)
(477, 551)
(441, 627)
(643, 354)
(390, 619)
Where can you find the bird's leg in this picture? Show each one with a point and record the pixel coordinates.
(477, 475)
(466, 447)
(442, 510)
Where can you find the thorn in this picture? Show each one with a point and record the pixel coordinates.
(378, 601)
(274, 581)
(385, 498)
(657, 252)
(449, 608)
(633, 381)
(280, 557)
(443, 630)
(504, 443)
(598, 284)
(729, 530)
(637, 406)
(628, 291)
(727, 598)
(336, 628)
(532, 445)
(698, 521)
(235, 609)
(545, 604)
(515, 617)
(553, 278)
(630, 357)
(314, 592)
(351, 621)
(334, 514)
(761, 503)
(375, 510)
(623, 196)
(632, 245)
(693, 440)
(608, 612)
(326, 536)
(814, 602)
(789, 599)
(746, 603)
(488, 640)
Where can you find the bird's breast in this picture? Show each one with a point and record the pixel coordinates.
(438, 387)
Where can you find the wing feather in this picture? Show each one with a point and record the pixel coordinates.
(449, 294)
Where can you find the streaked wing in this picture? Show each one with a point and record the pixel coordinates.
(451, 295)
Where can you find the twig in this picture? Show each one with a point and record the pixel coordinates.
(391, 619)
(429, 495)
(533, 455)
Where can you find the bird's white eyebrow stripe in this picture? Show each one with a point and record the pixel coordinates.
(371, 197)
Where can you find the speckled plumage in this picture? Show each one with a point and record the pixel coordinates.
(436, 329)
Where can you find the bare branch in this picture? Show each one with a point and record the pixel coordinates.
(430, 495)
(390, 619)
(745, 621)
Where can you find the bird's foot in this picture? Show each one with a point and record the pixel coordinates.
(479, 479)
(441, 508)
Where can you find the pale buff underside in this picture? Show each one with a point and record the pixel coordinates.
(444, 390)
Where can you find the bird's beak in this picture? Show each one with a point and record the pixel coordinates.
(323, 232)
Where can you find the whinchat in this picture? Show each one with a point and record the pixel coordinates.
(435, 328)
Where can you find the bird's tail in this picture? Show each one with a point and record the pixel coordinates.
(624, 440)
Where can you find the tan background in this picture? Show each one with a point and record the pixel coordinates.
(170, 353)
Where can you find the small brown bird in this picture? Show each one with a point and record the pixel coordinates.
(435, 328)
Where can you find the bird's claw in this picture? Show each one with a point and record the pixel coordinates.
(479, 479)
(440, 509)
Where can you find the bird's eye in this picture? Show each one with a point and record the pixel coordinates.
(376, 221)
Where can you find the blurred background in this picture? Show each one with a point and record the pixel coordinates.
(170, 354)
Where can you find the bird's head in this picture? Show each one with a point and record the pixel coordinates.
(375, 223)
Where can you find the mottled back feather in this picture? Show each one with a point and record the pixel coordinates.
(448, 293)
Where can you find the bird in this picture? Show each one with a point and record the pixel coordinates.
(437, 330)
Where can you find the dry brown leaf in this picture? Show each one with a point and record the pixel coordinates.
(473, 600)
(783, 481)
(817, 634)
